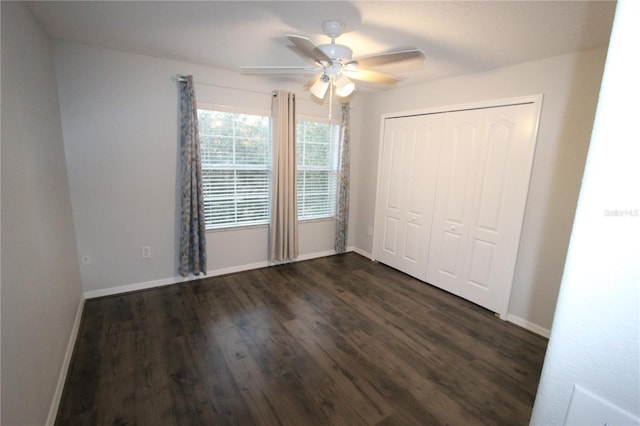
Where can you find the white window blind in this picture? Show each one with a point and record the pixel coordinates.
(317, 146)
(236, 157)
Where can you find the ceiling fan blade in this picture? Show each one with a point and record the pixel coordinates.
(387, 58)
(368, 75)
(278, 70)
(306, 47)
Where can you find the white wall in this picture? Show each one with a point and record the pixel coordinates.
(41, 290)
(570, 85)
(119, 117)
(595, 340)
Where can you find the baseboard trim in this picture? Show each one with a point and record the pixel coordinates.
(66, 363)
(136, 286)
(528, 325)
(360, 252)
(211, 273)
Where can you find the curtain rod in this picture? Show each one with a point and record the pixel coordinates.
(273, 93)
(183, 78)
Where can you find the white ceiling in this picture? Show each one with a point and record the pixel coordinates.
(458, 37)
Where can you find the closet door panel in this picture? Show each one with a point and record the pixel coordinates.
(390, 239)
(481, 260)
(493, 176)
(449, 256)
(413, 243)
(458, 165)
(486, 218)
(461, 138)
(392, 172)
(407, 178)
(504, 169)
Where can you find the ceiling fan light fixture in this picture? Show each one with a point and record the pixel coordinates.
(319, 88)
(344, 86)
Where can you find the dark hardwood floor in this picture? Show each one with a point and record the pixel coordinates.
(338, 340)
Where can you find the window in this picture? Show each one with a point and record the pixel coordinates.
(236, 168)
(236, 159)
(317, 145)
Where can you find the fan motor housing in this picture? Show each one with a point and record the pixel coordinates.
(336, 51)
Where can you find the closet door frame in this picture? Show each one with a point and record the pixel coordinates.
(492, 103)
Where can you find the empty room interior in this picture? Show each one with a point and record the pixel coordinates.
(319, 212)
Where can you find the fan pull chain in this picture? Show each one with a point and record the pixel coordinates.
(330, 97)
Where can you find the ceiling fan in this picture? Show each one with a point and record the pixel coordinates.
(335, 64)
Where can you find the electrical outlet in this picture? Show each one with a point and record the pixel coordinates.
(146, 252)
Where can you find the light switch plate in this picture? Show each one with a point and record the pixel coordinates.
(586, 409)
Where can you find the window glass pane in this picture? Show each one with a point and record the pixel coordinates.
(217, 183)
(205, 120)
(218, 212)
(251, 126)
(317, 146)
(252, 181)
(252, 151)
(315, 204)
(300, 148)
(316, 181)
(317, 154)
(235, 151)
(216, 149)
(252, 209)
(317, 132)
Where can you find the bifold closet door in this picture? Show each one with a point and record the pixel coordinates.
(406, 192)
(485, 168)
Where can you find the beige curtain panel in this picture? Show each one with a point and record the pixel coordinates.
(283, 229)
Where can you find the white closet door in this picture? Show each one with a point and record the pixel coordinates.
(485, 167)
(406, 192)
(500, 196)
(461, 145)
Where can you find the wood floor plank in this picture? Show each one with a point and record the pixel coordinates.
(374, 381)
(331, 341)
(462, 349)
(368, 406)
(445, 407)
(253, 359)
